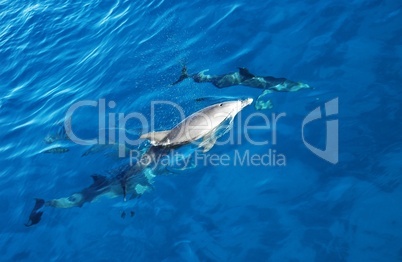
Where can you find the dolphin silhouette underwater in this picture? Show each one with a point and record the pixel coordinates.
(243, 77)
(203, 125)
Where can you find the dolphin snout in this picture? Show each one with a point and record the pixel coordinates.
(247, 102)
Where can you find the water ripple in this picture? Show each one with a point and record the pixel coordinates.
(55, 53)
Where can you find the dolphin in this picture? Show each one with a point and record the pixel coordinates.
(243, 77)
(134, 180)
(203, 124)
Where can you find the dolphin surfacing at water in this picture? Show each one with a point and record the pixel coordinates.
(202, 124)
(137, 179)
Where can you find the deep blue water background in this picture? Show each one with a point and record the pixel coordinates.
(55, 53)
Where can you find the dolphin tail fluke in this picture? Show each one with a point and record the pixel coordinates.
(183, 75)
(36, 214)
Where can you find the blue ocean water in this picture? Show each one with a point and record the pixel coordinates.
(57, 53)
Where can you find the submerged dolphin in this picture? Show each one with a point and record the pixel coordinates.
(138, 178)
(243, 77)
(202, 124)
(134, 180)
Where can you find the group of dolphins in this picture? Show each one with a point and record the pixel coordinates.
(203, 127)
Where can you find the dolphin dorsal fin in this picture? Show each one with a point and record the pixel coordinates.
(98, 179)
(155, 137)
(245, 73)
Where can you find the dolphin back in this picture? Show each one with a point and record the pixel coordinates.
(198, 125)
